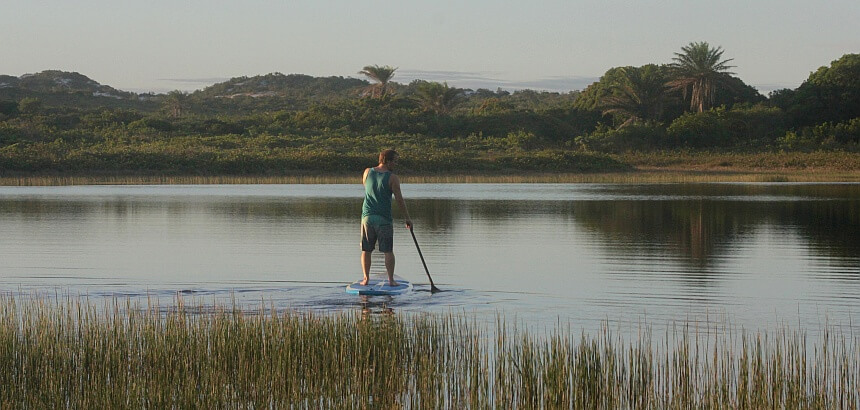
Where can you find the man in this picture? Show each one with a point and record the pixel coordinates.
(380, 184)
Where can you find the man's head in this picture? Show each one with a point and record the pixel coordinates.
(388, 157)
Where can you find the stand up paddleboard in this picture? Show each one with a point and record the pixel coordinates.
(378, 286)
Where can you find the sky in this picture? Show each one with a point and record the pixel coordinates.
(563, 45)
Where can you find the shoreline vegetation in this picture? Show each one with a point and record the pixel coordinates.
(636, 167)
(71, 353)
(690, 120)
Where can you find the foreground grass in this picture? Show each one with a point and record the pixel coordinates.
(70, 354)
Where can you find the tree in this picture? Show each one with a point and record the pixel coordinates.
(381, 75)
(830, 94)
(175, 103)
(638, 96)
(438, 98)
(699, 70)
(29, 105)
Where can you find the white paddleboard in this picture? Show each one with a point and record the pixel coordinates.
(378, 286)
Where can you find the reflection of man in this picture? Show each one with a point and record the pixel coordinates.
(376, 221)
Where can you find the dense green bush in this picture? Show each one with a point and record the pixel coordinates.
(830, 94)
(8, 109)
(634, 137)
(739, 127)
(150, 124)
(827, 135)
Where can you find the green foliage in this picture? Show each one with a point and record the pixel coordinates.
(175, 103)
(29, 105)
(143, 153)
(362, 116)
(699, 72)
(149, 124)
(742, 127)
(58, 121)
(493, 106)
(639, 94)
(8, 134)
(637, 136)
(292, 86)
(555, 125)
(559, 161)
(828, 135)
(591, 97)
(8, 108)
(55, 81)
(830, 94)
(438, 98)
(381, 76)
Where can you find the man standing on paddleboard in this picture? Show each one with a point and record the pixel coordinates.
(377, 225)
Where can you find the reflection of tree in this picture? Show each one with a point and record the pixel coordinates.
(693, 228)
(697, 230)
(700, 230)
(831, 227)
(434, 214)
(38, 209)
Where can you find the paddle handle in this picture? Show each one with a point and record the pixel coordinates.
(433, 287)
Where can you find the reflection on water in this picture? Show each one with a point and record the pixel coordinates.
(756, 254)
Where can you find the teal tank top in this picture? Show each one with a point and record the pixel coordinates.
(377, 196)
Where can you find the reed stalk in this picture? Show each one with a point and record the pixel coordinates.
(65, 353)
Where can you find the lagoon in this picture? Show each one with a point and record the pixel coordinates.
(749, 255)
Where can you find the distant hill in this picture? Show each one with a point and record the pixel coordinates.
(56, 88)
(280, 85)
(268, 92)
(55, 81)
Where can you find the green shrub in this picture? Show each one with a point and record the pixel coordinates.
(8, 108)
(740, 127)
(150, 124)
(641, 137)
(828, 135)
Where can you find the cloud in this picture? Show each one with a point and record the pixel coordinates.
(490, 80)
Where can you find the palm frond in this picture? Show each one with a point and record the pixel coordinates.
(381, 75)
(699, 70)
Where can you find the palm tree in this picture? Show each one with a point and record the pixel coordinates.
(175, 103)
(699, 70)
(639, 96)
(381, 75)
(438, 98)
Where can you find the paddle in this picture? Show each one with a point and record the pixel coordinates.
(433, 288)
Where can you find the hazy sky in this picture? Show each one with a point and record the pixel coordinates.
(161, 45)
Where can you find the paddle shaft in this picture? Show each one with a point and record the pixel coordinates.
(433, 287)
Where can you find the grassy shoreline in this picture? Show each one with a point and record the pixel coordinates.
(645, 175)
(635, 167)
(68, 353)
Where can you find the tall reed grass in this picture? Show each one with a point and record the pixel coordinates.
(70, 353)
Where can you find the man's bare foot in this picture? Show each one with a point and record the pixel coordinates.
(393, 283)
(364, 282)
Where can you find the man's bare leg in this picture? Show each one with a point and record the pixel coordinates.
(365, 266)
(389, 266)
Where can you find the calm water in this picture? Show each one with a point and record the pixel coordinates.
(757, 256)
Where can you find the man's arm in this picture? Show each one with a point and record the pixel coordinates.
(395, 188)
(364, 177)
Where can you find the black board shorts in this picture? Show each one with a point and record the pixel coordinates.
(375, 230)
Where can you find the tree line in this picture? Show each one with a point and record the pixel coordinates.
(694, 102)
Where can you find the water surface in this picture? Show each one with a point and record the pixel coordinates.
(755, 255)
